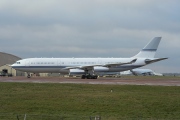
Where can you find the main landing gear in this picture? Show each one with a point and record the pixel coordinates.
(28, 75)
(88, 75)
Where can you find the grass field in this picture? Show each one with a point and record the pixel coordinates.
(79, 101)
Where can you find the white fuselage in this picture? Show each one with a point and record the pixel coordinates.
(88, 67)
(57, 65)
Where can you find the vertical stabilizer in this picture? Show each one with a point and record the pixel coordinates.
(150, 49)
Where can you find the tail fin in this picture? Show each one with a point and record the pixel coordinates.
(150, 49)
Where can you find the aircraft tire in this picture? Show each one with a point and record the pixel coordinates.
(83, 76)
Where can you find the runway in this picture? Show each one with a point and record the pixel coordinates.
(135, 80)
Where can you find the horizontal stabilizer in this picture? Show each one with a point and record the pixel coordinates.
(149, 61)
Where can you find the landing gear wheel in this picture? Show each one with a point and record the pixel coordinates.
(89, 76)
(95, 77)
(83, 77)
(28, 75)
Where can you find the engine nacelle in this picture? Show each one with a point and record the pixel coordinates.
(101, 69)
(76, 72)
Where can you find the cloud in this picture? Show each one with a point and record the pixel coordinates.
(96, 28)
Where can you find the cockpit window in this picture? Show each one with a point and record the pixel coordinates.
(18, 63)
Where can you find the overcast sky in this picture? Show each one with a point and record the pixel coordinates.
(91, 28)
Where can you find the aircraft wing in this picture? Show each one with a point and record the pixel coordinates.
(90, 67)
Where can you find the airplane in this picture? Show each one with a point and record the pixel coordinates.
(90, 67)
(138, 71)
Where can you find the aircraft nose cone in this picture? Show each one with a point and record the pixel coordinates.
(12, 65)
